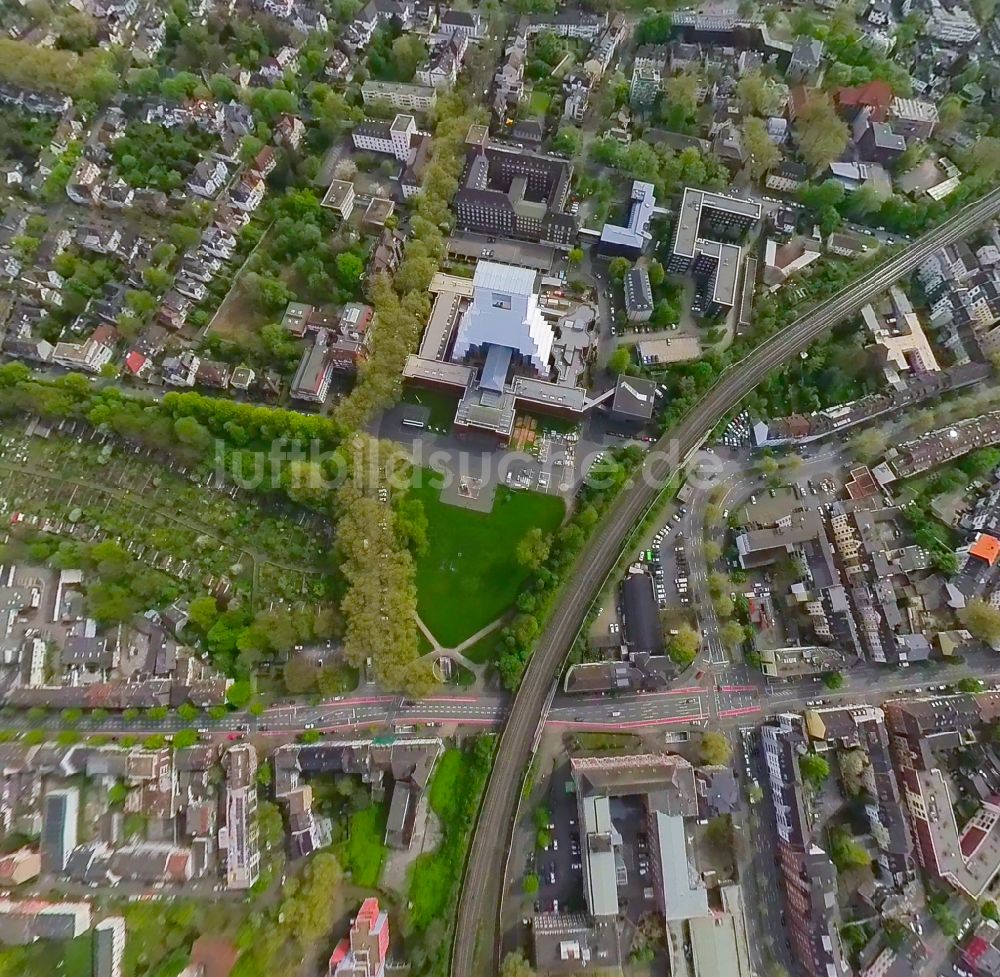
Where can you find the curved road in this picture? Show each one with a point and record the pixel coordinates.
(476, 943)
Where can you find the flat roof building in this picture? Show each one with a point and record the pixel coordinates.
(509, 192)
(630, 240)
(61, 812)
(708, 227)
(638, 295)
(504, 313)
(634, 398)
(109, 947)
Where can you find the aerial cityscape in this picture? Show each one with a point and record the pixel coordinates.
(499, 490)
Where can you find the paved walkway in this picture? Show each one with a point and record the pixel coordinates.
(438, 651)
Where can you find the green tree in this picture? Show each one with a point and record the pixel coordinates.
(184, 738)
(833, 680)
(533, 549)
(620, 360)
(821, 134)
(575, 256)
(845, 852)
(530, 884)
(683, 646)
(350, 269)
(763, 155)
(618, 268)
(715, 749)
(731, 634)
(982, 619)
(515, 965)
(814, 769)
(568, 140)
(239, 694)
(757, 94)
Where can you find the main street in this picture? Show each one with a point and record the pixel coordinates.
(476, 929)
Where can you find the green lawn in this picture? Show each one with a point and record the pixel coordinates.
(485, 649)
(540, 102)
(364, 850)
(469, 574)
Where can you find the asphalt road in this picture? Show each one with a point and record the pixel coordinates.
(476, 929)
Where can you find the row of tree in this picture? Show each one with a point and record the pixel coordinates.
(402, 303)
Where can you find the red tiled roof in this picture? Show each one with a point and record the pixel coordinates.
(135, 361)
(986, 547)
(876, 94)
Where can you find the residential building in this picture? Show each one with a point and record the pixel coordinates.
(240, 832)
(249, 193)
(350, 343)
(967, 858)
(902, 343)
(25, 922)
(806, 59)
(787, 177)
(315, 373)
(950, 22)
(634, 399)
(706, 233)
(665, 785)
(289, 131)
(443, 63)
(208, 178)
(569, 23)
(339, 198)
(781, 261)
(402, 764)
(807, 873)
(83, 186)
(20, 866)
(799, 661)
(60, 817)
(109, 947)
(646, 84)
(638, 295)
(876, 96)
(875, 141)
(90, 356)
(415, 98)
(389, 138)
(913, 118)
(863, 728)
(364, 951)
(470, 24)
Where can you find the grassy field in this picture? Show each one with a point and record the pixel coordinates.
(239, 320)
(540, 102)
(485, 649)
(469, 574)
(364, 850)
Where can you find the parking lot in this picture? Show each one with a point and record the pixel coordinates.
(560, 867)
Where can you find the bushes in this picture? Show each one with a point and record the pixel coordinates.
(603, 483)
(434, 879)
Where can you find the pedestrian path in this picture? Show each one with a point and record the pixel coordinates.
(438, 651)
